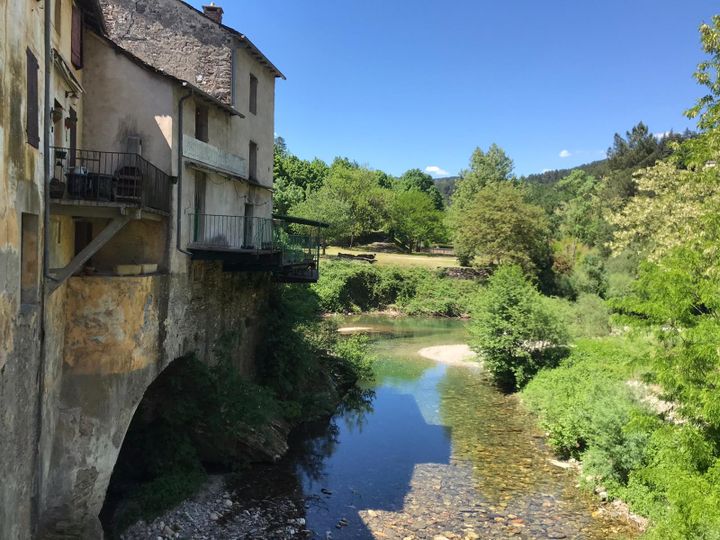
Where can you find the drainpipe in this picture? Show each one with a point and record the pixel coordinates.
(47, 168)
(47, 160)
(180, 166)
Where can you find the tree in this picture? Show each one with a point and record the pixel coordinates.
(498, 227)
(581, 211)
(669, 210)
(638, 149)
(513, 331)
(414, 219)
(416, 180)
(707, 108)
(294, 177)
(350, 200)
(485, 168)
(489, 168)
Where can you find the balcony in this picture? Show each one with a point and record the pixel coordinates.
(252, 244)
(208, 157)
(83, 178)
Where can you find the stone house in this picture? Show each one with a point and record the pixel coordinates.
(136, 227)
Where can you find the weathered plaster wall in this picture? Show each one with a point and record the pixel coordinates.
(139, 242)
(111, 353)
(256, 127)
(168, 34)
(20, 191)
(120, 333)
(144, 108)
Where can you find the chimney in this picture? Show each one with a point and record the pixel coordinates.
(213, 12)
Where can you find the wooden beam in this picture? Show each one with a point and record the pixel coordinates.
(88, 251)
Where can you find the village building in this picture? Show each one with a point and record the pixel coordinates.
(136, 227)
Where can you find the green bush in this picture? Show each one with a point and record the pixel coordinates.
(514, 331)
(574, 399)
(588, 316)
(667, 472)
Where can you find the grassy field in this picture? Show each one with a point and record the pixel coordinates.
(402, 259)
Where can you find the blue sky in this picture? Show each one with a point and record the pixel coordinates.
(400, 84)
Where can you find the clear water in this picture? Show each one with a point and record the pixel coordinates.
(435, 449)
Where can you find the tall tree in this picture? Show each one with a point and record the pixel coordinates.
(486, 168)
(498, 227)
(414, 219)
(350, 199)
(294, 177)
(416, 180)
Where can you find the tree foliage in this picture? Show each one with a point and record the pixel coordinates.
(413, 219)
(350, 200)
(416, 180)
(498, 227)
(513, 330)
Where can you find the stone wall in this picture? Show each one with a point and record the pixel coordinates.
(173, 36)
(120, 334)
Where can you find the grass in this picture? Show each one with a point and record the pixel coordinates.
(402, 259)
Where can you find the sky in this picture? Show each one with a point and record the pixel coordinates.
(399, 84)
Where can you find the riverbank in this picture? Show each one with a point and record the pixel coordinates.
(354, 287)
(452, 355)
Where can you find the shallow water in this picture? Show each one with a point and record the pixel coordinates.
(435, 449)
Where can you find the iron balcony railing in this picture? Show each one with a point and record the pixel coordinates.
(122, 177)
(299, 254)
(218, 232)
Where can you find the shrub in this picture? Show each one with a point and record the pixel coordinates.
(514, 331)
(588, 316)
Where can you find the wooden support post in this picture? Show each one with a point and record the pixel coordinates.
(88, 251)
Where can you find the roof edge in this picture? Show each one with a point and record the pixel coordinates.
(245, 40)
(182, 82)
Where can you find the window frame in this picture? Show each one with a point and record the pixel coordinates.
(32, 112)
(252, 102)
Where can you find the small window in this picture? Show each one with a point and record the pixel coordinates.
(58, 16)
(29, 260)
(76, 55)
(253, 94)
(252, 161)
(201, 123)
(32, 118)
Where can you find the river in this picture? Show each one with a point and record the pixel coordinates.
(434, 449)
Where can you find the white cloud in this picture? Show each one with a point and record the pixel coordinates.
(435, 171)
(545, 170)
(661, 135)
(565, 153)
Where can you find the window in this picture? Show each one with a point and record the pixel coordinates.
(77, 38)
(29, 259)
(253, 94)
(33, 118)
(252, 161)
(201, 123)
(58, 16)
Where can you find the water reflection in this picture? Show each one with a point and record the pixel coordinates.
(430, 449)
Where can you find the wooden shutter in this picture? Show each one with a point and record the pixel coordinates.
(33, 117)
(77, 44)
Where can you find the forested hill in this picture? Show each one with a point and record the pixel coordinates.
(446, 186)
(597, 169)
